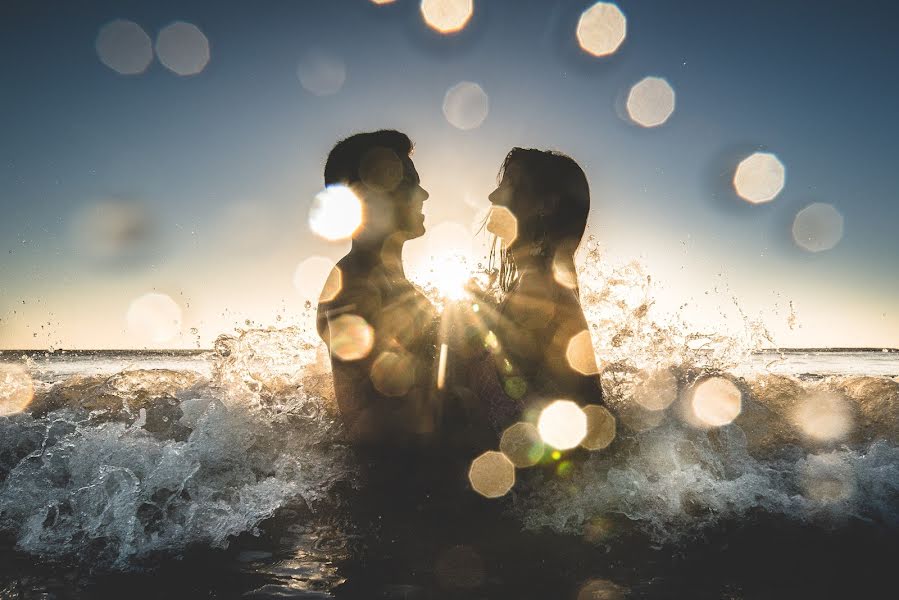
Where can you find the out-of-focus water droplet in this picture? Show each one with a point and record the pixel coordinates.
(521, 443)
(601, 427)
(759, 177)
(716, 402)
(818, 227)
(492, 474)
(336, 213)
(601, 29)
(351, 337)
(466, 105)
(447, 16)
(154, 317)
(124, 47)
(562, 424)
(182, 48)
(16, 389)
(650, 102)
(824, 417)
(580, 355)
(321, 73)
(318, 277)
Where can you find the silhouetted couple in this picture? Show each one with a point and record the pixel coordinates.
(405, 375)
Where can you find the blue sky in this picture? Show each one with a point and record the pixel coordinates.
(223, 164)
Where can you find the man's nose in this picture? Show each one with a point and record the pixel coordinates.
(423, 194)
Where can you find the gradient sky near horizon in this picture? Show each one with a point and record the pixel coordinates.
(220, 167)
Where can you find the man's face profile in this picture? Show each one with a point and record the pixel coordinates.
(394, 197)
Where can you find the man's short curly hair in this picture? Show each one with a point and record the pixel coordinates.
(345, 159)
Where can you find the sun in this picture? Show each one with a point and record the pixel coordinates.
(444, 277)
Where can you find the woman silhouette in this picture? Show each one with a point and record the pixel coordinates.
(541, 345)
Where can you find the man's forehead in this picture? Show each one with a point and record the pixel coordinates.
(409, 171)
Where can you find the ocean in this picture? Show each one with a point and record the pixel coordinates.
(223, 474)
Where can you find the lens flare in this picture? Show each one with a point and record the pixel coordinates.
(656, 390)
(601, 29)
(380, 2)
(650, 102)
(447, 16)
(503, 224)
(825, 417)
(466, 105)
(393, 373)
(716, 402)
(562, 424)
(124, 47)
(818, 227)
(759, 177)
(336, 213)
(492, 474)
(154, 317)
(16, 389)
(522, 445)
(321, 73)
(318, 277)
(564, 272)
(601, 427)
(182, 48)
(827, 479)
(580, 355)
(351, 337)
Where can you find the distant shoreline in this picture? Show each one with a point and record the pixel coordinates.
(198, 351)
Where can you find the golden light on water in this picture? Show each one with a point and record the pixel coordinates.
(182, 48)
(601, 427)
(601, 29)
(16, 389)
(492, 474)
(336, 213)
(154, 318)
(351, 337)
(318, 277)
(447, 16)
(602, 589)
(503, 224)
(393, 373)
(562, 424)
(824, 417)
(656, 390)
(321, 73)
(124, 47)
(716, 402)
(580, 355)
(759, 177)
(522, 445)
(466, 105)
(818, 227)
(650, 102)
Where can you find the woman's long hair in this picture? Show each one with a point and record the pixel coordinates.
(555, 227)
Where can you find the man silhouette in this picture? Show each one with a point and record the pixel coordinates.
(380, 330)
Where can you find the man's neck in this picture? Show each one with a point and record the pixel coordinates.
(387, 253)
